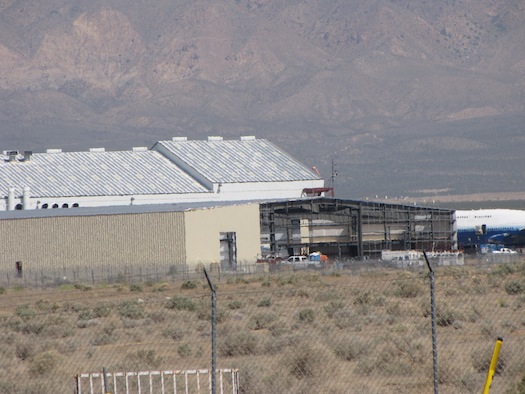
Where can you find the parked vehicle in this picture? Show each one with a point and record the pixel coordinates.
(297, 261)
(504, 251)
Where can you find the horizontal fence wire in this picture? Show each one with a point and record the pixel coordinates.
(362, 328)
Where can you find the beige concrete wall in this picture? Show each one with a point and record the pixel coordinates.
(203, 228)
(93, 241)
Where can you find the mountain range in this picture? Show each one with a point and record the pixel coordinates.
(384, 97)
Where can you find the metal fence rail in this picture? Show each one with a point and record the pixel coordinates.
(158, 382)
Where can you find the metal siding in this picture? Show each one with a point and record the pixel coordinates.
(57, 242)
(203, 228)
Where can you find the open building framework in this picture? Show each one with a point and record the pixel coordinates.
(353, 229)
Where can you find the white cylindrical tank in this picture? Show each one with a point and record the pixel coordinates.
(11, 199)
(26, 197)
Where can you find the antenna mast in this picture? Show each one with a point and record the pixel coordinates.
(334, 174)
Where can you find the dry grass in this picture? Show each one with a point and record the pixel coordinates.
(296, 333)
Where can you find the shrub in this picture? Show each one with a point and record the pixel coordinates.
(181, 303)
(263, 320)
(157, 316)
(481, 359)
(445, 318)
(32, 328)
(240, 344)
(25, 350)
(237, 280)
(131, 309)
(82, 287)
(307, 315)
(408, 289)
(161, 287)
(519, 388)
(504, 270)
(303, 293)
(184, 350)
(204, 313)
(103, 339)
(102, 310)
(145, 359)
(277, 345)
(135, 288)
(174, 333)
(43, 363)
(514, 287)
(363, 298)
(333, 307)
(189, 284)
(288, 280)
(329, 295)
(348, 350)
(265, 302)
(85, 315)
(25, 312)
(46, 306)
(236, 304)
(306, 362)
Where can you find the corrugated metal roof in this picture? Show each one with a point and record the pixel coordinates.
(96, 173)
(120, 209)
(245, 160)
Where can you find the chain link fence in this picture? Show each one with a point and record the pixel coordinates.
(359, 330)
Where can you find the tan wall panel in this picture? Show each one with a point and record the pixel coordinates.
(203, 228)
(57, 242)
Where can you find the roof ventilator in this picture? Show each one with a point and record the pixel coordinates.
(12, 154)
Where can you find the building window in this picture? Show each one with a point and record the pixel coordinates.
(75, 205)
(45, 206)
(55, 205)
(65, 205)
(18, 207)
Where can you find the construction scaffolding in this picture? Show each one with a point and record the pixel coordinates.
(353, 229)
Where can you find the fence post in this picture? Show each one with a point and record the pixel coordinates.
(433, 314)
(493, 365)
(213, 334)
(105, 374)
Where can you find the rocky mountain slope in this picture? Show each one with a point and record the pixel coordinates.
(407, 98)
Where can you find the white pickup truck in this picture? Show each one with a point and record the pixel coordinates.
(504, 251)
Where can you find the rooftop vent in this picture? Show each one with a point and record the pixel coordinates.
(247, 137)
(179, 139)
(12, 154)
(140, 149)
(52, 151)
(97, 150)
(27, 155)
(214, 138)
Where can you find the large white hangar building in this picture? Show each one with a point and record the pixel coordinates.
(176, 171)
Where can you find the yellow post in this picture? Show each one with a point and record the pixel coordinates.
(493, 364)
